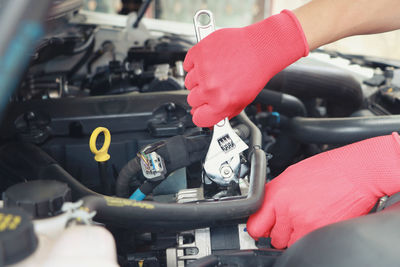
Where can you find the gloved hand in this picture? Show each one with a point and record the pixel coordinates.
(228, 68)
(333, 186)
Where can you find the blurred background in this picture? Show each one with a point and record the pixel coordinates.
(236, 13)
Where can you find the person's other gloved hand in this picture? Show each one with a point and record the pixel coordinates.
(333, 186)
(228, 68)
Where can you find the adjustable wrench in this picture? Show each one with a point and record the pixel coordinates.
(222, 163)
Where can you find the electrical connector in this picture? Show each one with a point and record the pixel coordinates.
(153, 166)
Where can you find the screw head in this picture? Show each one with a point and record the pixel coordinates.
(226, 171)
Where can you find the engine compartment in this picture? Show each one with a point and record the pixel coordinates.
(85, 75)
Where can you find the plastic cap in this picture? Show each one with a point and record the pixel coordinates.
(40, 198)
(17, 236)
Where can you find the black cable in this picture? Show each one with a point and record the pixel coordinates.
(81, 61)
(127, 174)
(106, 46)
(85, 46)
(141, 13)
(177, 152)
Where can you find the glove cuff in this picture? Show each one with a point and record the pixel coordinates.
(299, 30)
(279, 39)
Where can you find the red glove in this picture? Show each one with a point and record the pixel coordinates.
(228, 69)
(333, 186)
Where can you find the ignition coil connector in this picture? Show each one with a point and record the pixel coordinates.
(153, 166)
(154, 170)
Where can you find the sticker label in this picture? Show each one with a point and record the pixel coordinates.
(121, 202)
(226, 143)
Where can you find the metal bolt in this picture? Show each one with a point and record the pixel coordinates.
(226, 171)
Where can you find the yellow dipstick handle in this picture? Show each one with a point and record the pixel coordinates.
(100, 155)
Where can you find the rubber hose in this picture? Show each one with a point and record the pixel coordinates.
(285, 104)
(255, 133)
(56, 172)
(30, 161)
(125, 176)
(242, 131)
(341, 130)
(341, 90)
(128, 213)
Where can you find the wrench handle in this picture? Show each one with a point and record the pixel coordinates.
(202, 30)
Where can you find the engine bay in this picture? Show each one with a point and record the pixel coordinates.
(88, 73)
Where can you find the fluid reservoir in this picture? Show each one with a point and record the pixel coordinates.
(50, 232)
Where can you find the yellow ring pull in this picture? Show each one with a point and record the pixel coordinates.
(100, 155)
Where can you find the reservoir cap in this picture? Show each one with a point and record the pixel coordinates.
(17, 236)
(40, 198)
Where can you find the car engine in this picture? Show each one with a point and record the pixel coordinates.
(92, 71)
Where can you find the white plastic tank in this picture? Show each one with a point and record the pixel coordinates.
(78, 245)
(39, 226)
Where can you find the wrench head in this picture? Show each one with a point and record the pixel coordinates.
(222, 161)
